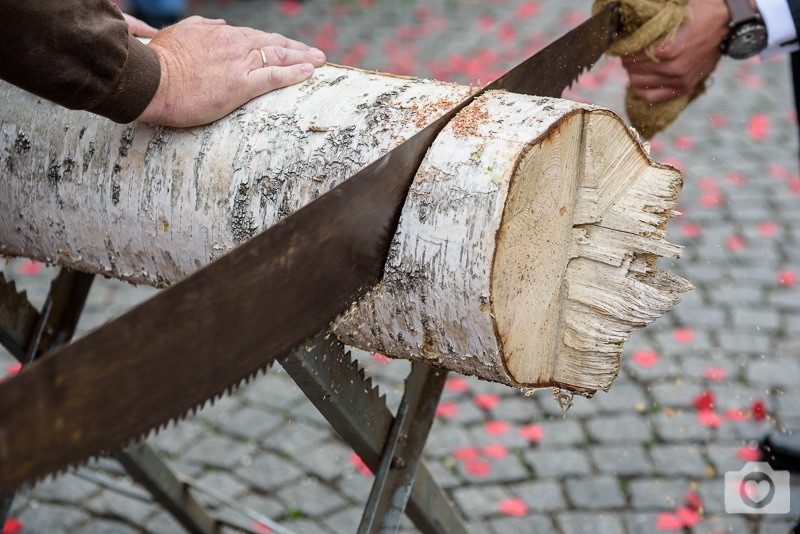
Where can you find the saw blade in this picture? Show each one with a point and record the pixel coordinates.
(18, 318)
(232, 318)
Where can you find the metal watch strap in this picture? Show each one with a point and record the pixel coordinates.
(740, 11)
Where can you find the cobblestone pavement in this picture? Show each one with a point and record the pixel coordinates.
(719, 370)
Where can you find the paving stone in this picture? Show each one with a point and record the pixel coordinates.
(621, 460)
(676, 393)
(621, 398)
(306, 526)
(274, 390)
(46, 517)
(220, 451)
(504, 470)
(286, 438)
(657, 493)
(111, 504)
(269, 471)
(533, 524)
(681, 426)
(621, 428)
(67, 489)
(105, 526)
(445, 438)
(774, 372)
(357, 487)
(477, 502)
(641, 522)
(541, 496)
(677, 460)
(517, 409)
(251, 423)
(326, 461)
(219, 481)
(558, 463)
(311, 497)
(597, 493)
(597, 523)
(560, 431)
(177, 437)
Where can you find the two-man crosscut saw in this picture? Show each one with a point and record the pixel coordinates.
(232, 318)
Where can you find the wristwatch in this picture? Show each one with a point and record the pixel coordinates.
(748, 33)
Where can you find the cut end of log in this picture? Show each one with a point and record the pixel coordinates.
(564, 312)
(526, 253)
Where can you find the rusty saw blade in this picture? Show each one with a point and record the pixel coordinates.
(232, 318)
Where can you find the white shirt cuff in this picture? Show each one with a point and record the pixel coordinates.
(781, 33)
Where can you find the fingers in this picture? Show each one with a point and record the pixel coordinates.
(139, 28)
(264, 80)
(196, 19)
(276, 56)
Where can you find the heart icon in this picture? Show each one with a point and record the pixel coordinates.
(757, 491)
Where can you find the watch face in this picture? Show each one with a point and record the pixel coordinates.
(747, 40)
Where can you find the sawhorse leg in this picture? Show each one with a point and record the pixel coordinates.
(391, 447)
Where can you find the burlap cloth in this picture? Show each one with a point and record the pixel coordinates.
(646, 23)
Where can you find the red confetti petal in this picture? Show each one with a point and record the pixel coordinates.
(29, 268)
(715, 374)
(478, 468)
(718, 120)
(380, 358)
(496, 428)
(12, 526)
(787, 278)
(711, 199)
(496, 451)
(735, 179)
(486, 24)
(693, 500)
(704, 401)
(691, 230)
(759, 410)
(748, 454)
(778, 171)
(359, 464)
(13, 369)
(735, 414)
(768, 229)
(668, 521)
(709, 418)
(466, 454)
(527, 9)
(758, 126)
(258, 527)
(446, 409)
(456, 384)
(735, 242)
(683, 335)
(487, 401)
(684, 142)
(645, 358)
(514, 507)
(678, 164)
(532, 432)
(687, 516)
(290, 8)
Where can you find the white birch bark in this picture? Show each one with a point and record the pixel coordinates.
(525, 250)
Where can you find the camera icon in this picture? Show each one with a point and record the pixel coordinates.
(757, 489)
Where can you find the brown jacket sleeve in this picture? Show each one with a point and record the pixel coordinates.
(77, 53)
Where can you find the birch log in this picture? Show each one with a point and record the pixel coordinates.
(525, 253)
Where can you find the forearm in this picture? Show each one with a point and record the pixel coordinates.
(77, 53)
